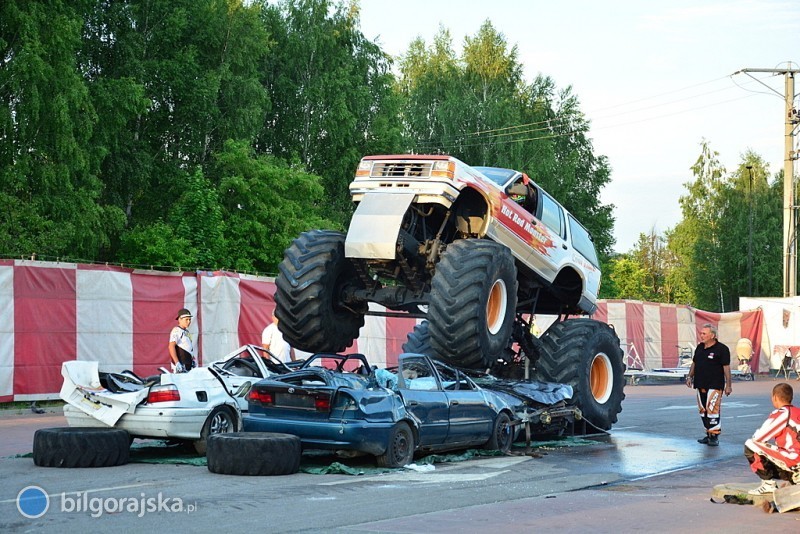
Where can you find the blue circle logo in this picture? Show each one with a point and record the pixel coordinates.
(33, 502)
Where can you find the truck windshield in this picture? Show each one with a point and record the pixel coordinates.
(499, 176)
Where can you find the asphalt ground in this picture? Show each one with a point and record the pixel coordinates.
(664, 481)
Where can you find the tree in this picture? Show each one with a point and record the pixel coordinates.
(712, 239)
(331, 90)
(172, 81)
(49, 185)
(630, 279)
(191, 236)
(266, 203)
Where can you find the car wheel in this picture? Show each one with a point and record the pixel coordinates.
(473, 303)
(253, 454)
(80, 447)
(308, 293)
(502, 434)
(400, 449)
(221, 420)
(585, 354)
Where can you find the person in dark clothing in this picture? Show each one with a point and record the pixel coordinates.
(710, 375)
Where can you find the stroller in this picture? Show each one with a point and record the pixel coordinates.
(744, 351)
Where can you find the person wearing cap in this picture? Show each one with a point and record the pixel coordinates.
(181, 348)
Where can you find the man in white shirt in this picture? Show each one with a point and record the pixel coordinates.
(273, 341)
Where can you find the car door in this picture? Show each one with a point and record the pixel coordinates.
(422, 395)
(471, 418)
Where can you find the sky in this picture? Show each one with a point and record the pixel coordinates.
(654, 78)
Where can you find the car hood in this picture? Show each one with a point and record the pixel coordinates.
(528, 391)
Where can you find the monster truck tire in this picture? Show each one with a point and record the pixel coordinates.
(81, 447)
(253, 453)
(312, 275)
(586, 355)
(473, 302)
(418, 340)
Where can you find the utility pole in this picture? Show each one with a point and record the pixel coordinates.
(750, 237)
(789, 216)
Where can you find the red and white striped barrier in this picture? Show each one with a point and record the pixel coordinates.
(654, 333)
(55, 312)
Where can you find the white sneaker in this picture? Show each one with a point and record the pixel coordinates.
(768, 486)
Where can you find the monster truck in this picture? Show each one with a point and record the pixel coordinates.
(476, 251)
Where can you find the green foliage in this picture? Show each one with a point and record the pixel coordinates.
(729, 219)
(49, 182)
(630, 279)
(266, 204)
(719, 228)
(155, 245)
(331, 91)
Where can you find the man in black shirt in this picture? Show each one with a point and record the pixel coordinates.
(710, 375)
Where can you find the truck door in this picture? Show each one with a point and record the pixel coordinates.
(551, 214)
(530, 239)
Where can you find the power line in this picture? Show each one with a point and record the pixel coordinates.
(494, 140)
(548, 124)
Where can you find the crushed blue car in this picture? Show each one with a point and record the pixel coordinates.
(338, 402)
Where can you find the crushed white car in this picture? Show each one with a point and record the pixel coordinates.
(188, 406)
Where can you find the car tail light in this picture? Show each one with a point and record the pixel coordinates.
(322, 403)
(168, 393)
(257, 396)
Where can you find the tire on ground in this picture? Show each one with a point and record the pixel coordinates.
(473, 302)
(81, 447)
(310, 281)
(253, 453)
(502, 434)
(221, 420)
(400, 449)
(585, 354)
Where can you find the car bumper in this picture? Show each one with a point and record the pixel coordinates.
(352, 434)
(182, 423)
